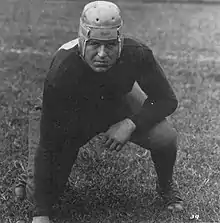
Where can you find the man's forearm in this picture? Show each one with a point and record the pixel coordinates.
(152, 113)
(44, 165)
(42, 183)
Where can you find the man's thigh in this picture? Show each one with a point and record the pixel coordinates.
(161, 135)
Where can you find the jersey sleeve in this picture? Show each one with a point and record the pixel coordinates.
(58, 122)
(161, 101)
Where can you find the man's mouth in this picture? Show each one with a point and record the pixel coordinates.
(101, 63)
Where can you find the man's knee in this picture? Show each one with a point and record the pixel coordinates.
(162, 135)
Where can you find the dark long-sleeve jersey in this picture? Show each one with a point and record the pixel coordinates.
(74, 93)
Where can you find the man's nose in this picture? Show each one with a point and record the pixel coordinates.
(101, 51)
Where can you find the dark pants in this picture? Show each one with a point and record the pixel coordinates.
(161, 140)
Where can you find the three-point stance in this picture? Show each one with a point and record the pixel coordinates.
(102, 82)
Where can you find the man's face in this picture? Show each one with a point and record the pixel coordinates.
(101, 55)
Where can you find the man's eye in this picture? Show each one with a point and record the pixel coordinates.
(94, 43)
(111, 45)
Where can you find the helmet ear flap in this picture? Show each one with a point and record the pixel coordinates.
(82, 45)
(121, 42)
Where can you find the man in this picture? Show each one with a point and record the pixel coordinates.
(102, 83)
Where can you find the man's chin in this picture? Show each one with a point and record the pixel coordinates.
(100, 68)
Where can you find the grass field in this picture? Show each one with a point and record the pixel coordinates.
(186, 41)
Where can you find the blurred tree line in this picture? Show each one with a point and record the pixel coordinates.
(26, 13)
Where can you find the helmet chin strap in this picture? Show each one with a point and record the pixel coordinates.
(83, 50)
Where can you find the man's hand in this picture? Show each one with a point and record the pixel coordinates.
(41, 219)
(118, 134)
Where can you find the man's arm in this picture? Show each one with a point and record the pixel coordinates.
(51, 140)
(56, 116)
(161, 101)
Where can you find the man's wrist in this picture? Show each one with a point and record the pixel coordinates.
(131, 124)
(41, 219)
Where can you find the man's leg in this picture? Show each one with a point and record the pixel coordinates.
(161, 140)
(66, 160)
